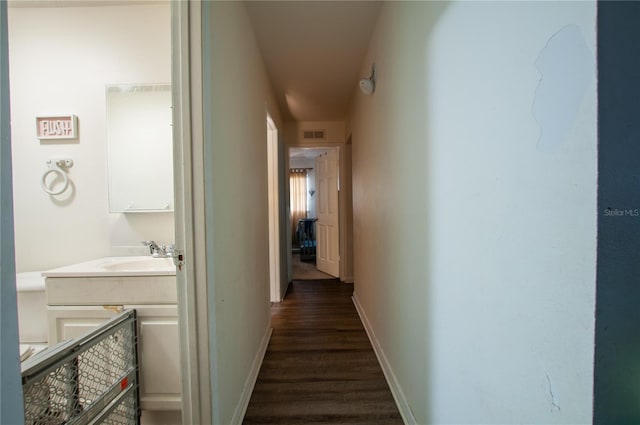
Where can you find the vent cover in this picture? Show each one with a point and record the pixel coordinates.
(313, 134)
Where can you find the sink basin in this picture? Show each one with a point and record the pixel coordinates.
(117, 266)
(148, 264)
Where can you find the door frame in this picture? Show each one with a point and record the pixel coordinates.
(190, 223)
(273, 209)
(345, 198)
(342, 219)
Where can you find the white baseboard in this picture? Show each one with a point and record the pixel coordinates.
(394, 385)
(243, 403)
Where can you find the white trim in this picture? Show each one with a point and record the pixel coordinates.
(189, 222)
(346, 199)
(273, 208)
(205, 346)
(394, 385)
(250, 383)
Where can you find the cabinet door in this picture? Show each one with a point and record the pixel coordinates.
(71, 322)
(158, 346)
(159, 357)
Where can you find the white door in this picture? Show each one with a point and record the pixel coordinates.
(327, 230)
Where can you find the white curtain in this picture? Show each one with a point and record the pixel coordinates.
(298, 194)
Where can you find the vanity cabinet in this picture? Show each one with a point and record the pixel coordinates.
(77, 305)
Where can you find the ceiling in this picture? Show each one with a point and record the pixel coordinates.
(313, 52)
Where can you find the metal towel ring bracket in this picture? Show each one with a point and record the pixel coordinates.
(55, 166)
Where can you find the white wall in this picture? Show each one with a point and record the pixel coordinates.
(237, 95)
(334, 133)
(295, 162)
(61, 58)
(474, 243)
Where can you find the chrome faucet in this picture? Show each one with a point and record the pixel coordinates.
(158, 251)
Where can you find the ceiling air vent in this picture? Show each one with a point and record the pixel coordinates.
(313, 134)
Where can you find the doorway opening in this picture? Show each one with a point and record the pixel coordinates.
(313, 184)
(104, 230)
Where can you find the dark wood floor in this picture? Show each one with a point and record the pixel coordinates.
(319, 367)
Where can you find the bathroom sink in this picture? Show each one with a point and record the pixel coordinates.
(117, 266)
(137, 264)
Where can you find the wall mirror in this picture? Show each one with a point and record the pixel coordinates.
(140, 147)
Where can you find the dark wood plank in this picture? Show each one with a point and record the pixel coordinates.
(319, 367)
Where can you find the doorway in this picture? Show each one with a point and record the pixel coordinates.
(313, 184)
(169, 25)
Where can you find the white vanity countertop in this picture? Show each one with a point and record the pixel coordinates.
(117, 266)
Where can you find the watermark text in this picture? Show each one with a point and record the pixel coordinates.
(615, 212)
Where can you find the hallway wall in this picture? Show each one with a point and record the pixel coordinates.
(237, 94)
(474, 196)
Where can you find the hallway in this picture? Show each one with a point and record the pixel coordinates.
(319, 366)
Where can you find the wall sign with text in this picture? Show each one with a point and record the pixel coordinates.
(56, 127)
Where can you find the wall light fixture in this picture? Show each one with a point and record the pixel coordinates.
(368, 85)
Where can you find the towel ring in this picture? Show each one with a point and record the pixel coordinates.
(55, 168)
